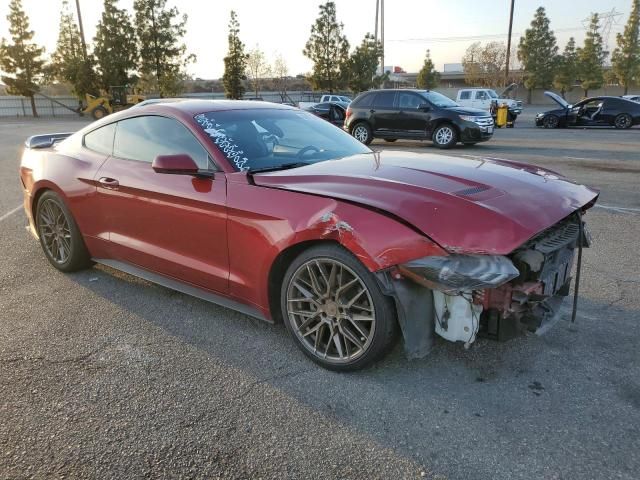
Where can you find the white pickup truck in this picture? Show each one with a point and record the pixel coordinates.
(325, 98)
(483, 97)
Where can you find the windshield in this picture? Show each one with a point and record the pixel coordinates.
(439, 100)
(492, 94)
(259, 139)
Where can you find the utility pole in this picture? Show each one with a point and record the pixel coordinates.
(377, 16)
(506, 70)
(382, 31)
(84, 44)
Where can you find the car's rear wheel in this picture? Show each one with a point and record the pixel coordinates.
(390, 140)
(59, 235)
(550, 121)
(335, 310)
(362, 132)
(445, 136)
(623, 121)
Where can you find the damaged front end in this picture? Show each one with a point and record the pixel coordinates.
(493, 295)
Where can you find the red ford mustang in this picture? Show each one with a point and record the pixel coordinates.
(276, 213)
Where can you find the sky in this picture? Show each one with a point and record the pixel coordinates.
(283, 26)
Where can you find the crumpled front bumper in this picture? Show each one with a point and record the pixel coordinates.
(510, 301)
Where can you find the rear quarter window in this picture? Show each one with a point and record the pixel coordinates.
(101, 139)
(364, 100)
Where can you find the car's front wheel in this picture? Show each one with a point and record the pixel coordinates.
(550, 121)
(362, 132)
(59, 235)
(335, 310)
(444, 136)
(623, 121)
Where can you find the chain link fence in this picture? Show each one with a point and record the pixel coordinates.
(14, 106)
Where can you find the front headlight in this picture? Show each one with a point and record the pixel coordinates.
(470, 118)
(464, 272)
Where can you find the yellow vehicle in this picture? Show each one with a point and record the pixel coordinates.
(119, 99)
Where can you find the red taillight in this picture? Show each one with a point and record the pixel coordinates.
(348, 114)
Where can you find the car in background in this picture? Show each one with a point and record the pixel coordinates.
(272, 211)
(633, 98)
(485, 98)
(334, 112)
(153, 101)
(416, 115)
(335, 98)
(604, 111)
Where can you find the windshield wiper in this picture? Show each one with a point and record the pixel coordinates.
(284, 166)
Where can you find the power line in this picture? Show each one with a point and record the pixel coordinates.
(467, 38)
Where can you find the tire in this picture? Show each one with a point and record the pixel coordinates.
(60, 237)
(444, 136)
(623, 121)
(99, 112)
(362, 132)
(550, 121)
(390, 140)
(316, 312)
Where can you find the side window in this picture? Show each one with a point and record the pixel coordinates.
(465, 95)
(384, 100)
(365, 100)
(409, 101)
(101, 139)
(481, 95)
(144, 138)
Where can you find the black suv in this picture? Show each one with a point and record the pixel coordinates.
(416, 114)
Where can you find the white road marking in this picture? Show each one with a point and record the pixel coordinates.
(580, 158)
(618, 209)
(8, 214)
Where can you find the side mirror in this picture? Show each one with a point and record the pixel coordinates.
(177, 164)
(424, 107)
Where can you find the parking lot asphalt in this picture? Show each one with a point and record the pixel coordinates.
(106, 376)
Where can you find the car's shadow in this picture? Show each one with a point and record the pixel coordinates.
(490, 400)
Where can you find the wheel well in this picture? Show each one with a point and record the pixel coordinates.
(448, 122)
(34, 204)
(356, 123)
(279, 268)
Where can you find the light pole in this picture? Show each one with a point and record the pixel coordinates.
(506, 70)
(84, 44)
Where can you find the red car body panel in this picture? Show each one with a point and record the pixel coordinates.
(465, 205)
(224, 234)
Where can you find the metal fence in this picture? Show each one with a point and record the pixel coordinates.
(12, 106)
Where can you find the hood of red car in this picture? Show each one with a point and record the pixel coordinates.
(466, 205)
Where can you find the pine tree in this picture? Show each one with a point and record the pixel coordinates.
(363, 64)
(257, 68)
(428, 78)
(625, 59)
(538, 53)
(328, 48)
(591, 58)
(67, 62)
(235, 62)
(115, 47)
(162, 54)
(567, 68)
(21, 59)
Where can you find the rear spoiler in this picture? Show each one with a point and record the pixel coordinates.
(45, 141)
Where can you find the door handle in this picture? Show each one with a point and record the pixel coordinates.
(110, 183)
(372, 111)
